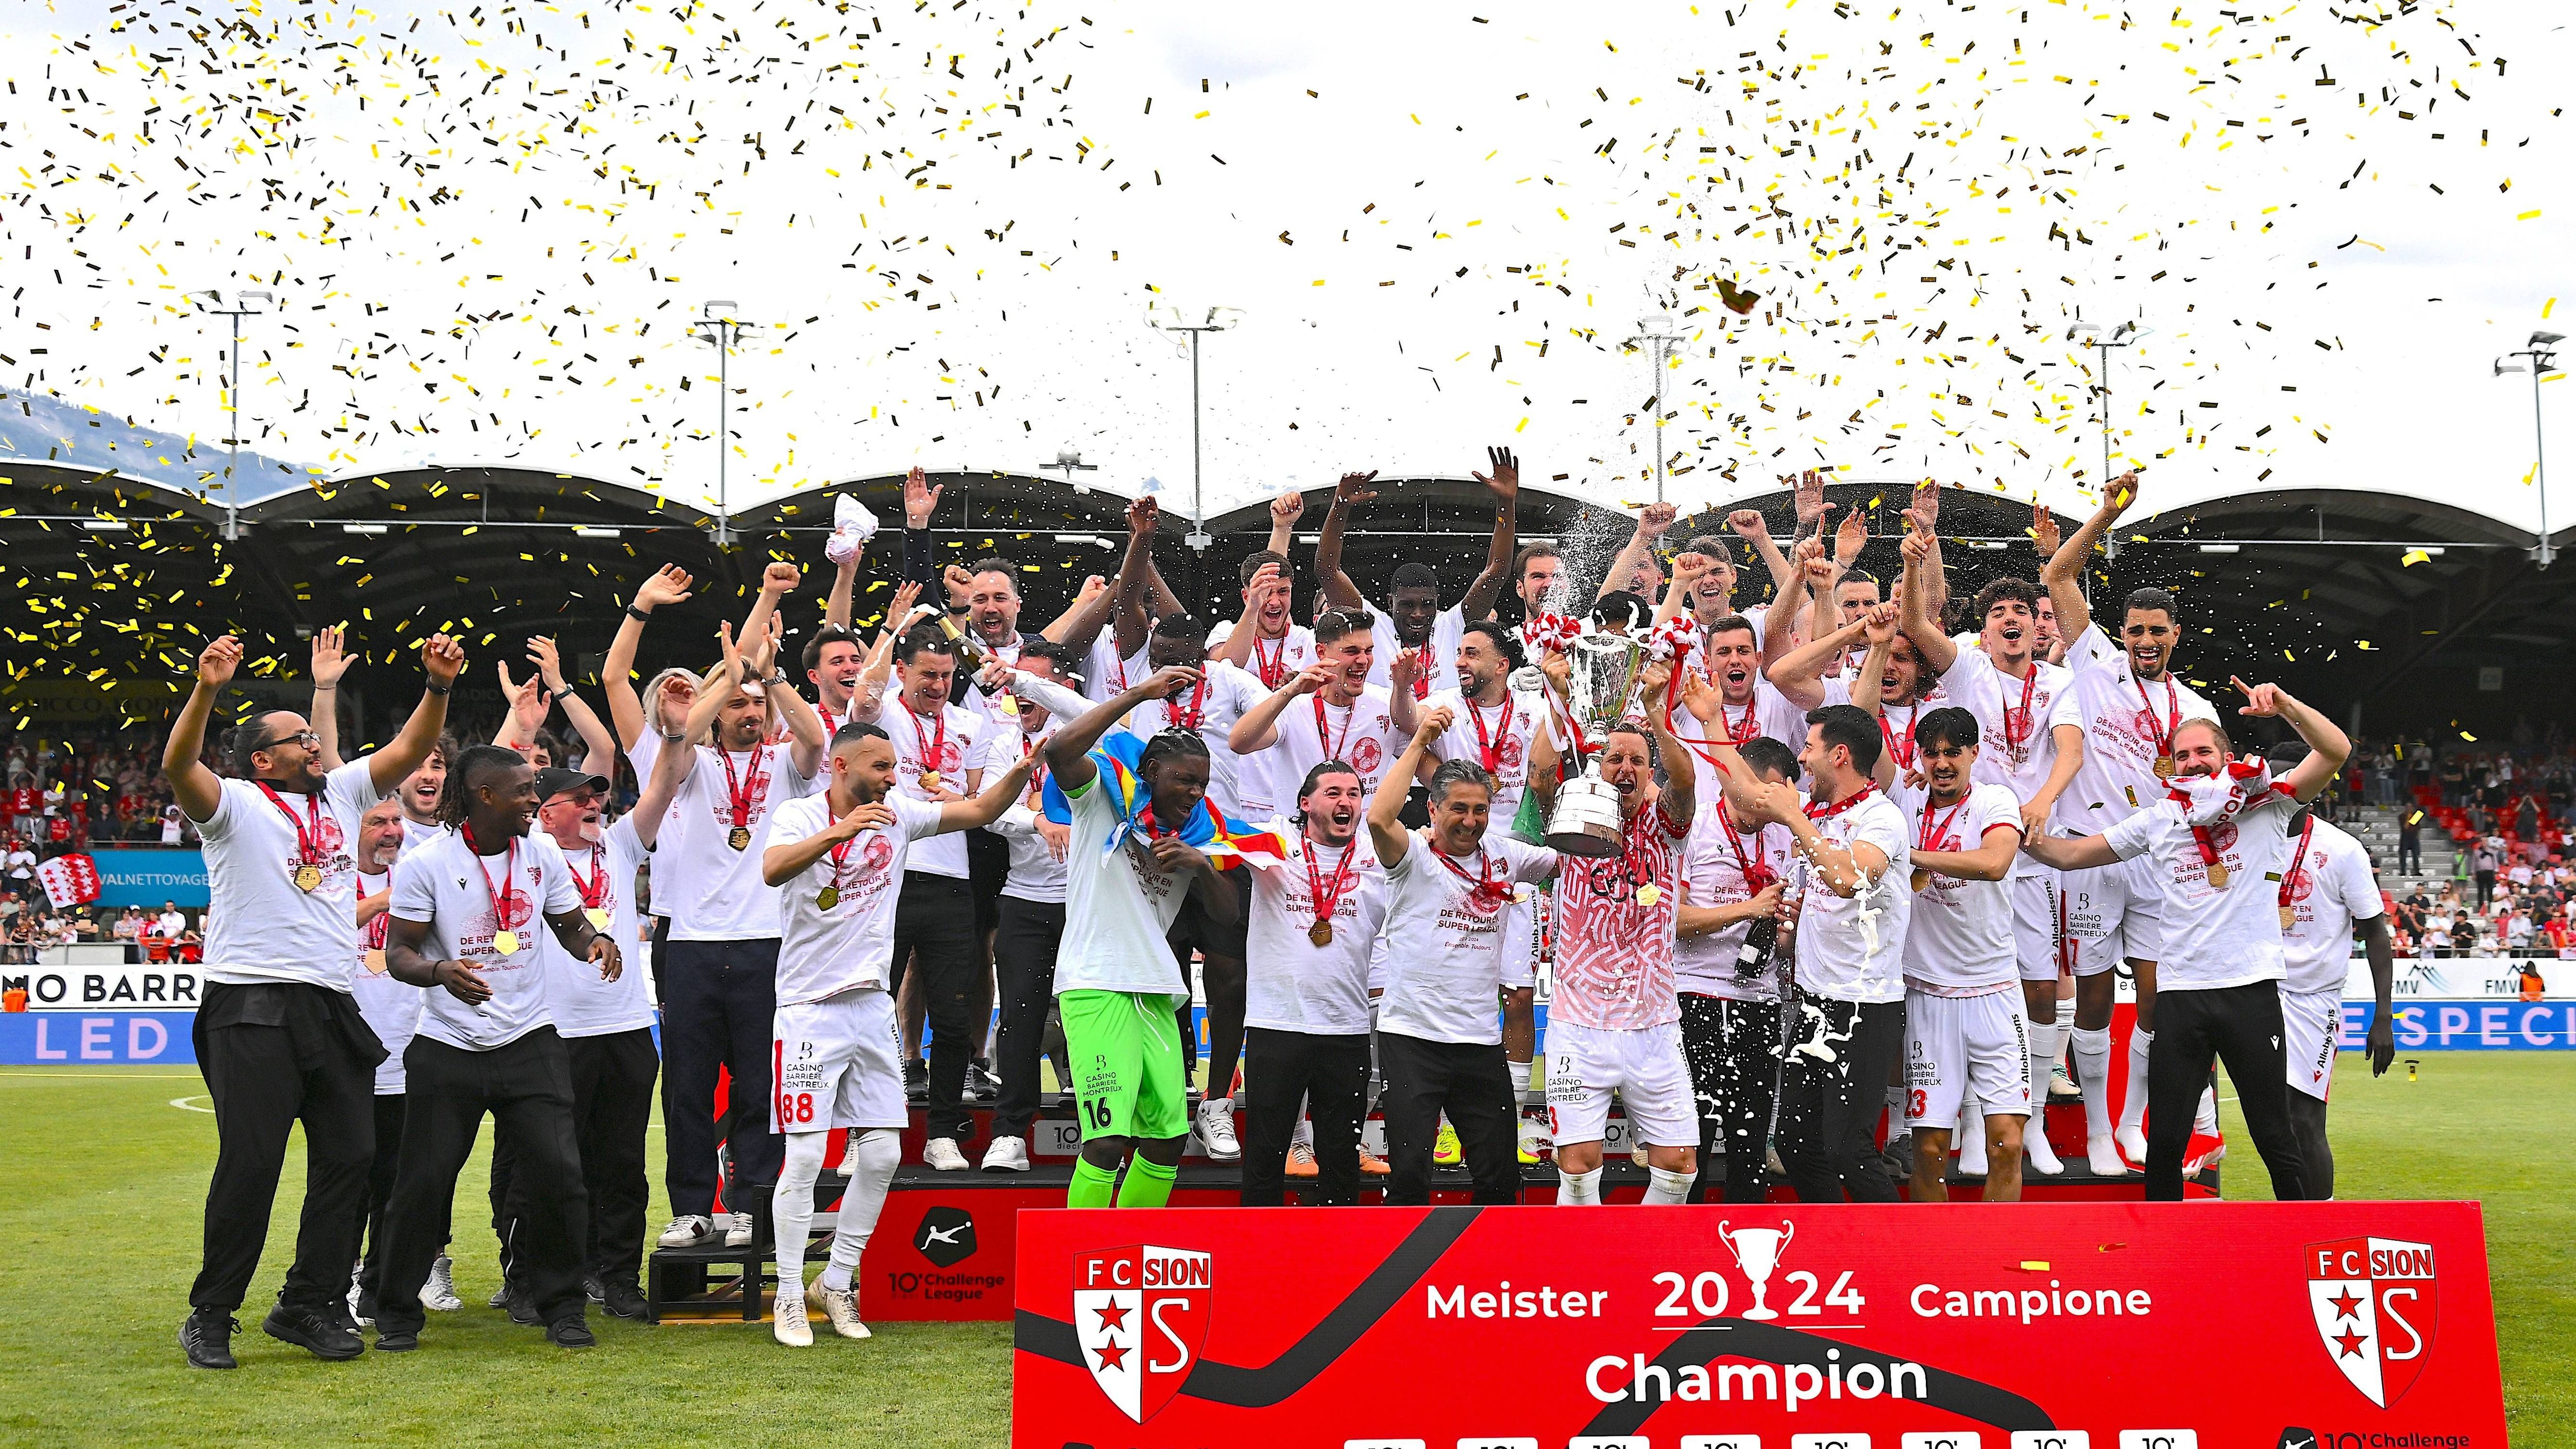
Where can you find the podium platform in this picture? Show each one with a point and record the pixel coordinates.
(944, 1249)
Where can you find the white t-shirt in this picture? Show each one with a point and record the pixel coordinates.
(2010, 752)
(1035, 874)
(1292, 984)
(2330, 888)
(2214, 938)
(1273, 664)
(1441, 667)
(2121, 730)
(260, 927)
(1445, 973)
(711, 891)
(916, 741)
(444, 884)
(1210, 708)
(1896, 734)
(1850, 947)
(171, 923)
(1105, 676)
(824, 953)
(1714, 875)
(1960, 939)
(1363, 736)
(603, 876)
(1505, 728)
(1768, 715)
(1118, 905)
(391, 1007)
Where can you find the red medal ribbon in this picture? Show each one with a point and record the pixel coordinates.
(929, 752)
(1927, 834)
(594, 891)
(504, 897)
(1756, 870)
(1903, 753)
(2163, 739)
(2298, 865)
(1198, 708)
(1037, 775)
(1341, 882)
(1324, 736)
(1486, 886)
(1273, 666)
(2017, 740)
(308, 839)
(741, 790)
(2200, 837)
(1740, 735)
(840, 854)
(1820, 813)
(1489, 753)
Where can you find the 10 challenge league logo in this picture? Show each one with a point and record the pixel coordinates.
(1140, 1314)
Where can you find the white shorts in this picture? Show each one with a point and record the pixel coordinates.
(2114, 912)
(2311, 1022)
(1643, 1064)
(1520, 956)
(837, 1063)
(1965, 1048)
(2038, 941)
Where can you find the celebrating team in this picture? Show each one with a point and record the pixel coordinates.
(1854, 855)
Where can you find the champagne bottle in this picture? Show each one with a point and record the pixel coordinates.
(1754, 956)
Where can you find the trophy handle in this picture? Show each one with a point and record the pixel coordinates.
(1725, 1237)
(1788, 1230)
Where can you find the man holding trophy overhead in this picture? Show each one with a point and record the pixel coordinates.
(1616, 1022)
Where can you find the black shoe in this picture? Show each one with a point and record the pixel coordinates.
(916, 1081)
(397, 1340)
(591, 1289)
(622, 1299)
(206, 1336)
(318, 1333)
(981, 1084)
(522, 1310)
(570, 1333)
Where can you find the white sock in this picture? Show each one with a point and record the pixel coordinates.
(1667, 1188)
(791, 1205)
(1520, 1077)
(1970, 1134)
(1579, 1189)
(2065, 1015)
(2045, 1043)
(2134, 1110)
(2093, 1074)
(1896, 1112)
(2205, 1121)
(878, 1153)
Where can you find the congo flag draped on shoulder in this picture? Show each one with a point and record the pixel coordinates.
(1118, 758)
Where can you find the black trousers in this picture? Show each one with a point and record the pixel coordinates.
(273, 1055)
(612, 1100)
(526, 1087)
(2486, 888)
(1024, 949)
(2241, 1026)
(1328, 1073)
(1829, 1110)
(1470, 1083)
(719, 1010)
(380, 1190)
(934, 930)
(2410, 855)
(1733, 1048)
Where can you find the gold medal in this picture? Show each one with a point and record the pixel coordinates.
(375, 963)
(308, 877)
(1004, 704)
(827, 897)
(506, 942)
(1647, 895)
(2164, 767)
(598, 917)
(2289, 918)
(2217, 876)
(930, 779)
(1920, 879)
(739, 838)
(1321, 933)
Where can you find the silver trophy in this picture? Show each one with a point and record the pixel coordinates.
(1603, 678)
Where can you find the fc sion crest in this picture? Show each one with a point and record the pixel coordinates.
(2373, 1300)
(1141, 1314)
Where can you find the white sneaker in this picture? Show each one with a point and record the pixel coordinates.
(1216, 1130)
(439, 1293)
(2132, 1143)
(2102, 1155)
(789, 1325)
(689, 1230)
(2036, 1154)
(1536, 1143)
(738, 1230)
(2061, 1087)
(941, 1153)
(1007, 1154)
(841, 1305)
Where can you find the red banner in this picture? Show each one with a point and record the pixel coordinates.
(2342, 1325)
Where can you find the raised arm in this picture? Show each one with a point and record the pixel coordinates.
(777, 581)
(1653, 521)
(329, 663)
(1688, 570)
(1092, 602)
(1780, 621)
(596, 741)
(1285, 510)
(2328, 745)
(441, 660)
(1681, 777)
(1799, 674)
(661, 784)
(1000, 794)
(1336, 585)
(1750, 526)
(1921, 622)
(668, 585)
(1844, 869)
(2063, 574)
(197, 789)
(529, 708)
(1267, 583)
(1924, 517)
(845, 582)
(1068, 751)
(1259, 727)
(1505, 484)
(1386, 807)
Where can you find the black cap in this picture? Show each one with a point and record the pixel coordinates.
(555, 780)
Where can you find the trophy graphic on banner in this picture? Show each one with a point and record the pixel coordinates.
(1757, 1252)
(1604, 668)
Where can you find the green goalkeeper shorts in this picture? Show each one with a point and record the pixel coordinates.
(1129, 1077)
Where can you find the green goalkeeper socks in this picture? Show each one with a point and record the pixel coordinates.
(1149, 1184)
(1093, 1187)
